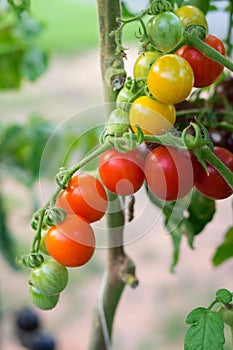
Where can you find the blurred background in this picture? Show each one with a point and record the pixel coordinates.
(61, 106)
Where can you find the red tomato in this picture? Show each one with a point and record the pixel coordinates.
(213, 185)
(206, 71)
(85, 196)
(169, 173)
(72, 242)
(122, 173)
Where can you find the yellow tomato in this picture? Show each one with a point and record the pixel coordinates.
(191, 15)
(170, 79)
(152, 116)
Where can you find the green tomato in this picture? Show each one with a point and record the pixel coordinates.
(227, 315)
(42, 301)
(43, 248)
(123, 98)
(118, 121)
(50, 277)
(143, 64)
(165, 31)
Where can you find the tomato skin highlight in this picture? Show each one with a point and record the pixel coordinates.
(213, 185)
(153, 117)
(165, 31)
(170, 80)
(206, 71)
(122, 173)
(169, 173)
(72, 242)
(85, 196)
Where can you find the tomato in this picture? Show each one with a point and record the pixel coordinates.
(42, 301)
(191, 15)
(153, 117)
(165, 31)
(118, 121)
(50, 277)
(84, 196)
(169, 173)
(202, 5)
(206, 71)
(123, 97)
(122, 173)
(72, 242)
(213, 185)
(170, 79)
(143, 64)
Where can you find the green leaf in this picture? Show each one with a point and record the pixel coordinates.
(126, 13)
(224, 250)
(195, 315)
(224, 296)
(176, 239)
(207, 333)
(201, 211)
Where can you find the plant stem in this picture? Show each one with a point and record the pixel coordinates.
(192, 39)
(210, 157)
(120, 269)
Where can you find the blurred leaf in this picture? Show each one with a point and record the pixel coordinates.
(34, 63)
(206, 332)
(7, 243)
(224, 250)
(126, 13)
(185, 217)
(20, 6)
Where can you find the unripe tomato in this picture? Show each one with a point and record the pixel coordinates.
(41, 300)
(191, 15)
(123, 98)
(72, 242)
(118, 121)
(213, 185)
(165, 31)
(206, 71)
(122, 173)
(227, 315)
(143, 64)
(153, 117)
(170, 80)
(50, 277)
(169, 173)
(85, 196)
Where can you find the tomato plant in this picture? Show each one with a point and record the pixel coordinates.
(122, 173)
(165, 31)
(169, 173)
(213, 185)
(143, 64)
(167, 74)
(153, 117)
(72, 242)
(85, 196)
(206, 71)
(50, 277)
(190, 14)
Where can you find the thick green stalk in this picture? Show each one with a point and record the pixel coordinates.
(192, 39)
(120, 269)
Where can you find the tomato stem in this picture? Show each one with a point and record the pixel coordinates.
(192, 39)
(211, 158)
